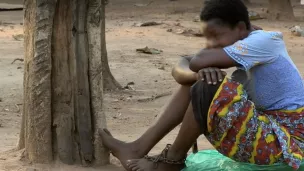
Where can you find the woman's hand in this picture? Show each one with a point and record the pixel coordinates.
(211, 75)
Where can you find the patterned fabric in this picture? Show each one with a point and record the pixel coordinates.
(241, 132)
(270, 70)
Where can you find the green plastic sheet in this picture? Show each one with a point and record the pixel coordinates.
(212, 160)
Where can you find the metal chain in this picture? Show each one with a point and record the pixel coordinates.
(163, 158)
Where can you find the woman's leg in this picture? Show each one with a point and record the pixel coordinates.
(170, 118)
(189, 132)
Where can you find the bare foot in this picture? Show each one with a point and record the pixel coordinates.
(123, 151)
(145, 165)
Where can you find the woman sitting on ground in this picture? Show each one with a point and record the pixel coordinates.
(257, 116)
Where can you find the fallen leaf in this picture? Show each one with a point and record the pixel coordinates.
(148, 50)
(146, 24)
(17, 59)
(154, 97)
(31, 169)
(162, 68)
(18, 37)
(189, 32)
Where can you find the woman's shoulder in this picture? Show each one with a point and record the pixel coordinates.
(264, 35)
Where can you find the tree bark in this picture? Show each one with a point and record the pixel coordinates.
(37, 82)
(63, 85)
(280, 10)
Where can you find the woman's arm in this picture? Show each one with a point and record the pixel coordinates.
(206, 58)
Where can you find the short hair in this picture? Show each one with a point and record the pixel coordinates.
(230, 12)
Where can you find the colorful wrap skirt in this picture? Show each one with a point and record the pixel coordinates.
(241, 132)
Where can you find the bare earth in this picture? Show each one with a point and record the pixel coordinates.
(129, 113)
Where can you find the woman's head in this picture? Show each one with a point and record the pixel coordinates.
(225, 22)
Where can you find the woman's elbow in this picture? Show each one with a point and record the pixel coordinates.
(175, 74)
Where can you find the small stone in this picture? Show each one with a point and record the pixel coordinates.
(196, 19)
(129, 86)
(177, 24)
(19, 67)
(297, 31)
(180, 31)
(254, 15)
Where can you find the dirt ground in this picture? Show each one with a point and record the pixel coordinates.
(128, 113)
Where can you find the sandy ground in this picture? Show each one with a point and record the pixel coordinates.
(127, 117)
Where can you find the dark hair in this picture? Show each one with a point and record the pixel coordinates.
(230, 12)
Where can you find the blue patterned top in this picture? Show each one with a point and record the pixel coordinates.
(276, 81)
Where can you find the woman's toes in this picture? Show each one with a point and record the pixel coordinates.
(137, 168)
(132, 163)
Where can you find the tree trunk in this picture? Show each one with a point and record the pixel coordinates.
(63, 85)
(109, 82)
(280, 10)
